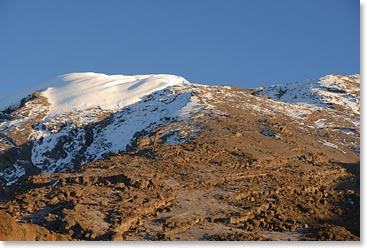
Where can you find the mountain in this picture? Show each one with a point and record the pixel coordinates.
(84, 117)
(102, 157)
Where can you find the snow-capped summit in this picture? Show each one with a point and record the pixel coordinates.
(84, 117)
(80, 91)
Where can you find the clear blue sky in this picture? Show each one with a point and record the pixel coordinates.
(219, 42)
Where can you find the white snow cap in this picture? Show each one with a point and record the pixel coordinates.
(80, 91)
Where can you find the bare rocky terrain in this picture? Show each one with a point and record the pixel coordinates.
(248, 166)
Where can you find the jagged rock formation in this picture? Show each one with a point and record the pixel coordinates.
(155, 157)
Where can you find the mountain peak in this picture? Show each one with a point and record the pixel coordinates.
(80, 91)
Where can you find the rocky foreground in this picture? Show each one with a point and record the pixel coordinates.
(245, 167)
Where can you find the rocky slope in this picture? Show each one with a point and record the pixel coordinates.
(10, 230)
(154, 157)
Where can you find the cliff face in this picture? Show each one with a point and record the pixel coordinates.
(182, 161)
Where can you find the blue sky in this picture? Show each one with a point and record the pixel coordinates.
(219, 42)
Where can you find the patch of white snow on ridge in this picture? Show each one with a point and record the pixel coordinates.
(320, 123)
(80, 91)
(331, 89)
(193, 106)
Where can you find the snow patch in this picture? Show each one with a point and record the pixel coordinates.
(135, 122)
(328, 90)
(192, 107)
(65, 140)
(320, 123)
(326, 143)
(80, 91)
